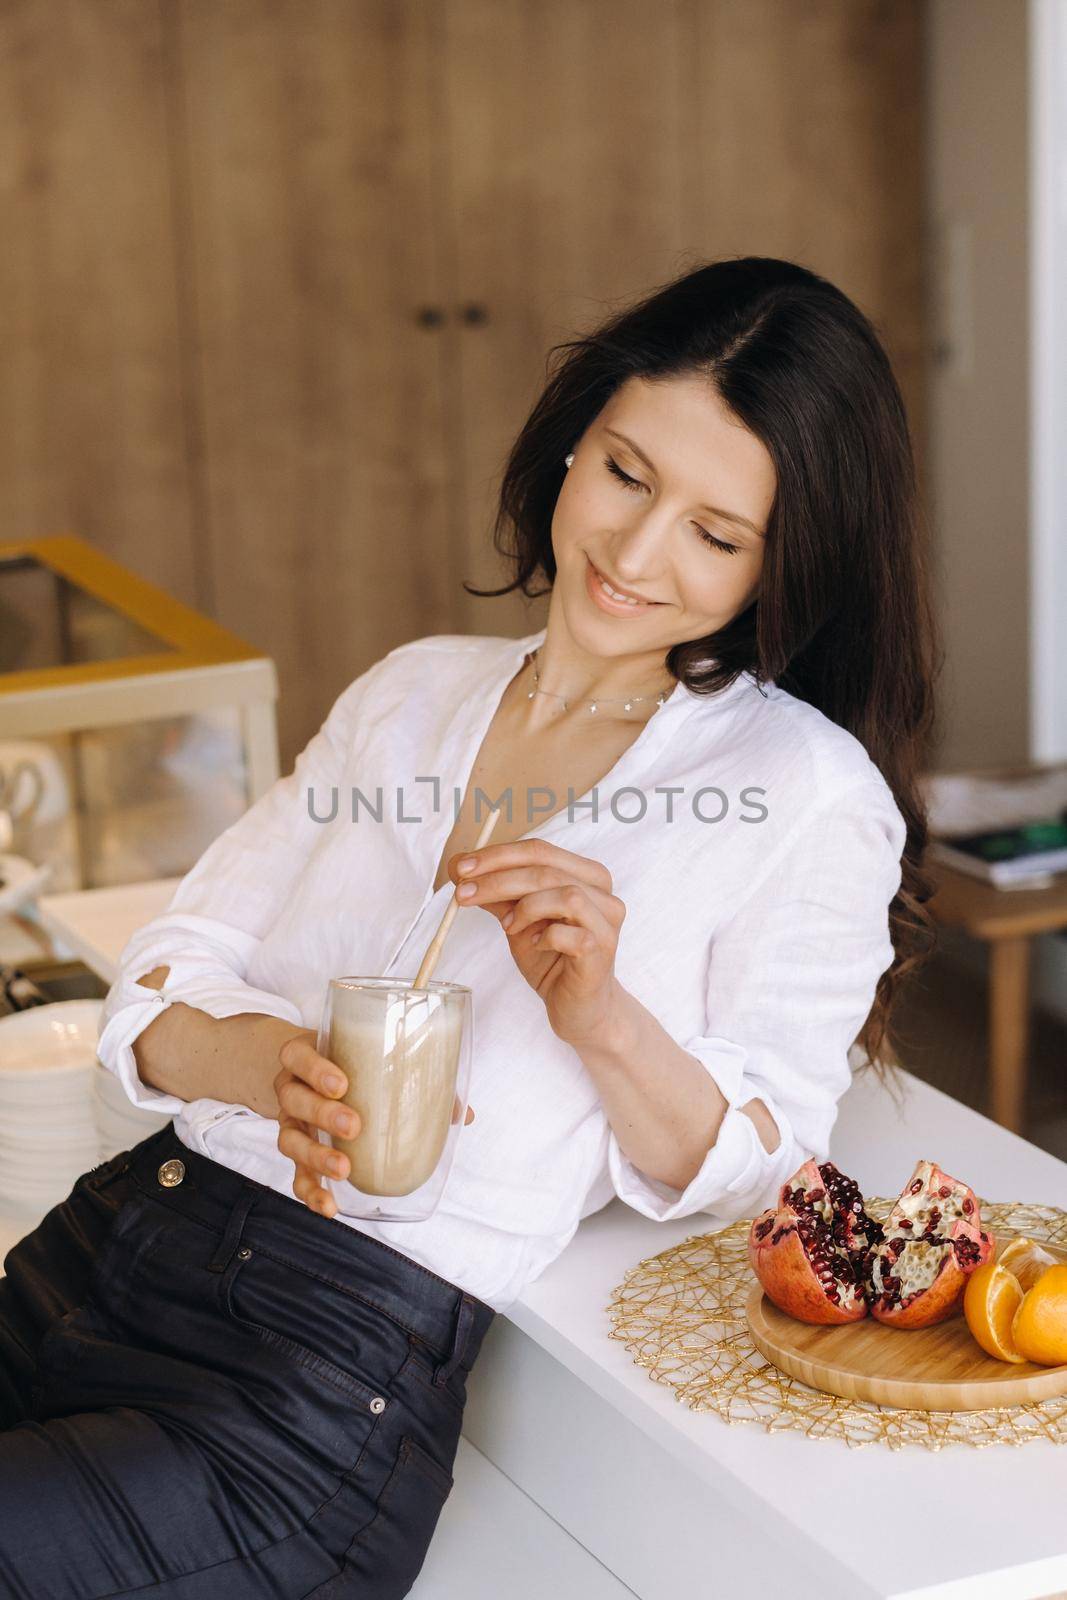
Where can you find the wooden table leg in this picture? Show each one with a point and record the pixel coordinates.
(1009, 1030)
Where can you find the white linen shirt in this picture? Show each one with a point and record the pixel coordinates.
(756, 931)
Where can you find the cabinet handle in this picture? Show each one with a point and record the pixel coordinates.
(474, 314)
(429, 316)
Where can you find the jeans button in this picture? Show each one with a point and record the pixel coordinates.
(171, 1173)
(377, 1405)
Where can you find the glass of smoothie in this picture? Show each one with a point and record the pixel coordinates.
(407, 1054)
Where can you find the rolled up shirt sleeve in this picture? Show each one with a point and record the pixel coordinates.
(219, 914)
(790, 983)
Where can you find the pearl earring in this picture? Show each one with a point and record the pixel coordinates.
(569, 459)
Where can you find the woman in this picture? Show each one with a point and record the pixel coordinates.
(209, 1389)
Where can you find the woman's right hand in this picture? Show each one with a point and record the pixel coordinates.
(308, 1088)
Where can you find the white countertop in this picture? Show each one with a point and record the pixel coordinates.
(1006, 1504)
(987, 1524)
(94, 924)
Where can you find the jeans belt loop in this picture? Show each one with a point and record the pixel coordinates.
(231, 1238)
(109, 1170)
(464, 1324)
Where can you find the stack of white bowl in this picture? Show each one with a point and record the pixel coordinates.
(119, 1122)
(48, 1130)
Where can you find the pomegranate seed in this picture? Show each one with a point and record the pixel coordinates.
(944, 1191)
(916, 1186)
(968, 1206)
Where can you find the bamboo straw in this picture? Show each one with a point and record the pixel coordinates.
(429, 960)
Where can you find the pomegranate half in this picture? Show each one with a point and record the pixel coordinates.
(933, 1240)
(808, 1254)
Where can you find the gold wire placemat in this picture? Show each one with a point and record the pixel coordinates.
(681, 1315)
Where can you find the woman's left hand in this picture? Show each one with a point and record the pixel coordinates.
(562, 923)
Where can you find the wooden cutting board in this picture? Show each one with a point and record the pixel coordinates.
(928, 1369)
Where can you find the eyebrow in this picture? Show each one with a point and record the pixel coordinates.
(716, 511)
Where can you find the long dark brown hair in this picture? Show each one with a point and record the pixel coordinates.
(844, 618)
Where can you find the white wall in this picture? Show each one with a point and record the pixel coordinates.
(978, 486)
(996, 99)
(1048, 377)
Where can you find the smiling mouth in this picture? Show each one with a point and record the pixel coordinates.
(617, 596)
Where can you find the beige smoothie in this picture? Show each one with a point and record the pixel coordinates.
(401, 1061)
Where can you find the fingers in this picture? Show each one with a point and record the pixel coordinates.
(308, 1087)
(304, 1151)
(469, 1118)
(568, 905)
(299, 1056)
(567, 940)
(297, 1100)
(498, 892)
(313, 1161)
(567, 866)
(308, 1188)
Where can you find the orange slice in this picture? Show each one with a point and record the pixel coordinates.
(990, 1301)
(1039, 1326)
(1025, 1259)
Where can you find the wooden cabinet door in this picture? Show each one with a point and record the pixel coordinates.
(308, 132)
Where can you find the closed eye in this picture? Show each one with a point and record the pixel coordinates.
(635, 486)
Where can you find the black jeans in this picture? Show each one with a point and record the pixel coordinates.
(207, 1390)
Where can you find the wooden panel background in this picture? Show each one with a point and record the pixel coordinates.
(223, 218)
(808, 124)
(92, 400)
(311, 170)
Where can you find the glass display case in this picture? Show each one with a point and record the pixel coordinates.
(133, 730)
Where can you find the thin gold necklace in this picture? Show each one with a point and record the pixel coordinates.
(627, 703)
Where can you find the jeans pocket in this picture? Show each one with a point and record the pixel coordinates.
(413, 1456)
(387, 1555)
(335, 1339)
(131, 1237)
